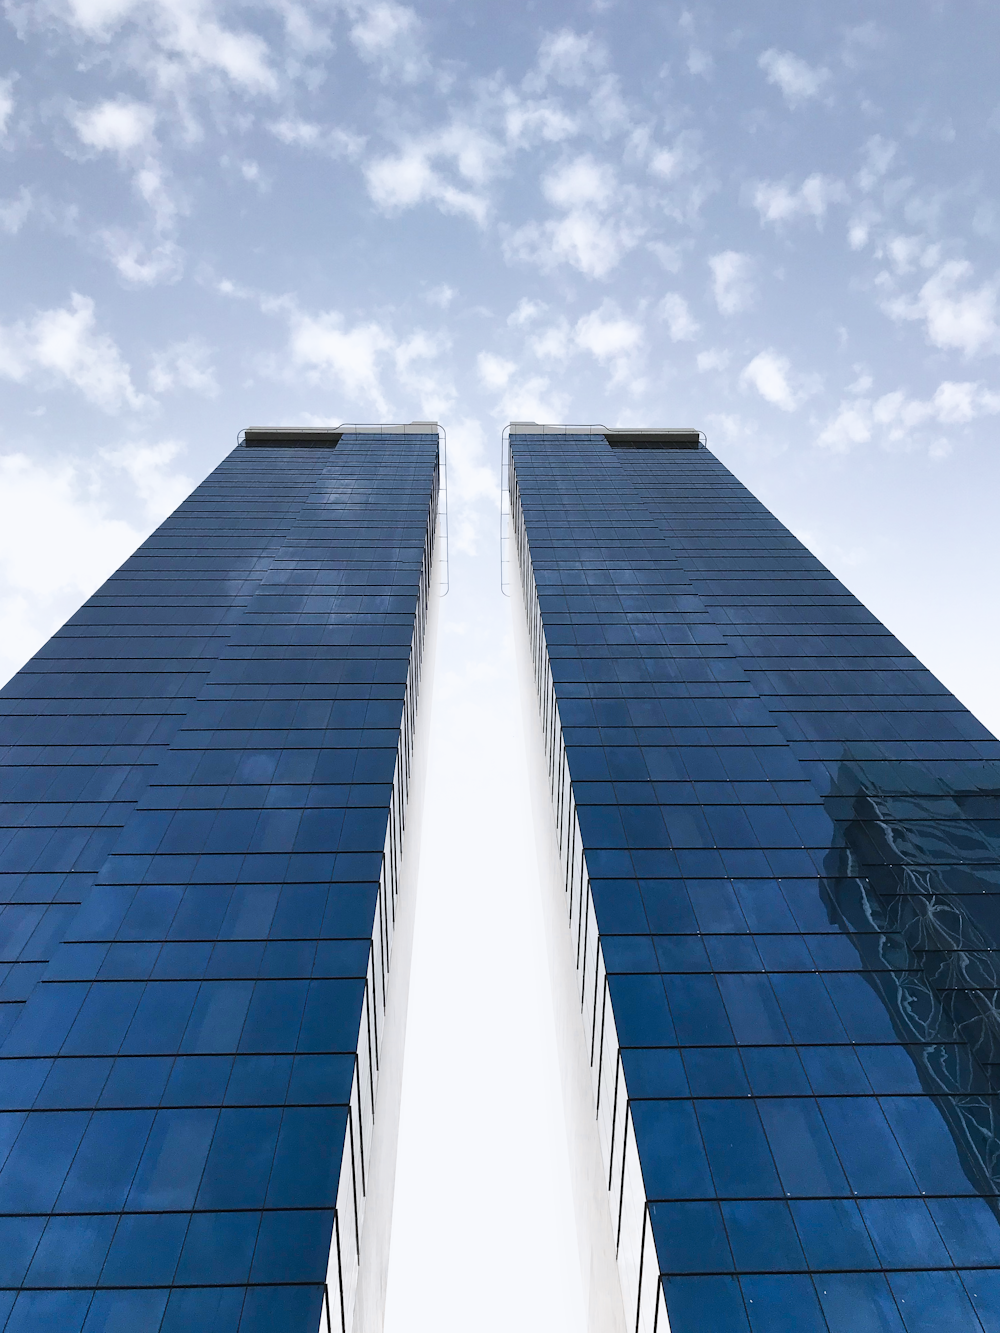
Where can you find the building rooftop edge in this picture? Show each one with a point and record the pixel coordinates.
(678, 437)
(260, 436)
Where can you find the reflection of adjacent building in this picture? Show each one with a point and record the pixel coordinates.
(916, 892)
(784, 964)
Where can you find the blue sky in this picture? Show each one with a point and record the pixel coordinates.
(778, 223)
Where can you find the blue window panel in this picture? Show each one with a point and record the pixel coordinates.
(160, 1018)
(927, 1145)
(260, 1080)
(738, 1151)
(785, 1304)
(293, 1247)
(763, 1237)
(307, 1160)
(970, 1230)
(105, 1163)
(670, 1146)
(833, 1234)
(145, 1250)
(904, 1233)
(933, 1303)
(197, 1080)
(642, 1017)
(19, 1238)
(697, 1010)
(983, 1287)
(219, 1248)
(715, 1072)
(866, 1147)
(76, 1083)
(72, 1251)
(34, 1171)
(171, 1166)
(800, 1143)
(215, 1308)
(654, 1073)
(690, 1238)
(239, 1163)
(125, 1312)
(34, 1310)
(218, 1017)
(861, 1302)
(705, 1305)
(269, 1308)
(753, 1010)
(774, 1071)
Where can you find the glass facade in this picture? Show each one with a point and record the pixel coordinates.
(204, 784)
(780, 837)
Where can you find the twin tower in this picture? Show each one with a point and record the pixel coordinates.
(774, 836)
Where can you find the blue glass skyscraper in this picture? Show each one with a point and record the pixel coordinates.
(204, 791)
(780, 856)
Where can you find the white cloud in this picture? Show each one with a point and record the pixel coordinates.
(389, 35)
(681, 324)
(494, 371)
(898, 417)
(699, 62)
(531, 120)
(63, 345)
(713, 359)
(955, 316)
(140, 264)
(553, 343)
(579, 184)
(732, 282)
(6, 104)
(329, 139)
(569, 58)
(771, 375)
(470, 481)
(878, 154)
(441, 296)
(534, 399)
(184, 365)
(613, 340)
(415, 369)
(57, 546)
(585, 237)
(330, 353)
(797, 80)
(525, 311)
(172, 40)
(148, 468)
(120, 126)
(411, 176)
(777, 202)
(14, 212)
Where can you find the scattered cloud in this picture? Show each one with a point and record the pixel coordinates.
(897, 417)
(713, 359)
(389, 36)
(777, 202)
(955, 315)
(14, 212)
(797, 80)
(6, 104)
(494, 371)
(771, 375)
(681, 324)
(413, 175)
(332, 140)
(877, 156)
(64, 347)
(568, 58)
(440, 296)
(184, 365)
(732, 281)
(326, 351)
(148, 467)
(612, 339)
(120, 126)
(586, 237)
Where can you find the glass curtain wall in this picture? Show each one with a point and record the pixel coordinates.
(780, 837)
(204, 786)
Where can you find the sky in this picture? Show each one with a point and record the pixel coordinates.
(777, 223)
